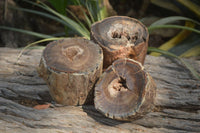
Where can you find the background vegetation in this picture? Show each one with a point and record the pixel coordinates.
(173, 25)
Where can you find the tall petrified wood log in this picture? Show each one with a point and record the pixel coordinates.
(125, 91)
(70, 68)
(121, 37)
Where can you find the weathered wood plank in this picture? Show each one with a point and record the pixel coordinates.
(177, 100)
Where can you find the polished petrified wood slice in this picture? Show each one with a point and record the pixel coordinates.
(70, 68)
(125, 91)
(121, 37)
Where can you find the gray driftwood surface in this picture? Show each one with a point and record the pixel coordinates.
(177, 101)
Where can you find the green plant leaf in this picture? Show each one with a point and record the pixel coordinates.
(90, 12)
(68, 22)
(194, 51)
(96, 10)
(175, 40)
(150, 28)
(41, 14)
(172, 19)
(98, 4)
(85, 15)
(40, 35)
(89, 23)
(188, 43)
(102, 9)
(59, 5)
(74, 25)
(187, 65)
(76, 18)
(190, 5)
(167, 4)
(35, 3)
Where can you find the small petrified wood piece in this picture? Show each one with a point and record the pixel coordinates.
(70, 68)
(125, 91)
(121, 37)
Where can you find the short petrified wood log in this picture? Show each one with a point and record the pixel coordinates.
(121, 37)
(70, 68)
(125, 91)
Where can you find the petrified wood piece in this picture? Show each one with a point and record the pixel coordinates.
(70, 68)
(121, 37)
(177, 102)
(125, 91)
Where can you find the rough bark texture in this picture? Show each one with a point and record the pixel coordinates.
(125, 91)
(71, 68)
(177, 100)
(120, 37)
